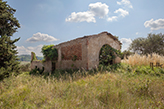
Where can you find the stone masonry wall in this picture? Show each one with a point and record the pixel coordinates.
(47, 65)
(96, 43)
(36, 63)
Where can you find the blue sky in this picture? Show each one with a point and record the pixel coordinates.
(45, 22)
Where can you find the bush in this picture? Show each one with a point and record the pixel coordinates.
(139, 70)
(37, 71)
(49, 52)
(25, 67)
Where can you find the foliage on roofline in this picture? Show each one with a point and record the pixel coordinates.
(49, 52)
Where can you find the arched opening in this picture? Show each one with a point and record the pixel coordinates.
(107, 55)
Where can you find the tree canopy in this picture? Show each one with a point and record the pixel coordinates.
(125, 54)
(9, 64)
(153, 43)
(8, 59)
(8, 23)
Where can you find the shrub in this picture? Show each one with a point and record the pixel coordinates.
(37, 71)
(25, 67)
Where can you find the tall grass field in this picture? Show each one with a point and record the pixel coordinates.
(129, 85)
(145, 60)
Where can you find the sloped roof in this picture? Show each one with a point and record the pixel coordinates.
(89, 36)
(113, 37)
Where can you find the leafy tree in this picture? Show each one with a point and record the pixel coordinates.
(126, 53)
(154, 43)
(8, 57)
(137, 45)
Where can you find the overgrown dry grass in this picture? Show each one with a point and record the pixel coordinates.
(119, 89)
(24, 62)
(139, 60)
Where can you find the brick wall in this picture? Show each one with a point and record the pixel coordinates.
(69, 52)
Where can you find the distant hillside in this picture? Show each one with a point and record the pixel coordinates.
(28, 57)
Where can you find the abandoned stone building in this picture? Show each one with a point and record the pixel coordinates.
(86, 50)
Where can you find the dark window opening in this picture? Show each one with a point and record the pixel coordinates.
(53, 66)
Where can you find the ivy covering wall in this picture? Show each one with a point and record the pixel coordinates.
(108, 55)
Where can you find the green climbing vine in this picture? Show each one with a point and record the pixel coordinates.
(108, 54)
(34, 57)
(74, 58)
(49, 52)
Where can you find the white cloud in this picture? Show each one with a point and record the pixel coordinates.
(41, 37)
(125, 43)
(125, 40)
(122, 12)
(95, 9)
(80, 17)
(126, 3)
(23, 50)
(155, 24)
(113, 18)
(99, 9)
(137, 33)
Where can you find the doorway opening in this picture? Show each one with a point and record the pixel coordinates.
(53, 66)
(54, 59)
(106, 56)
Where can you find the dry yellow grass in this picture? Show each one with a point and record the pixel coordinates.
(121, 88)
(140, 60)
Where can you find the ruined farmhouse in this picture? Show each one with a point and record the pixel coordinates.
(85, 50)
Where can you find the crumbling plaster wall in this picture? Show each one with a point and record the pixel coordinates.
(90, 49)
(86, 49)
(39, 64)
(47, 65)
(36, 63)
(96, 43)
